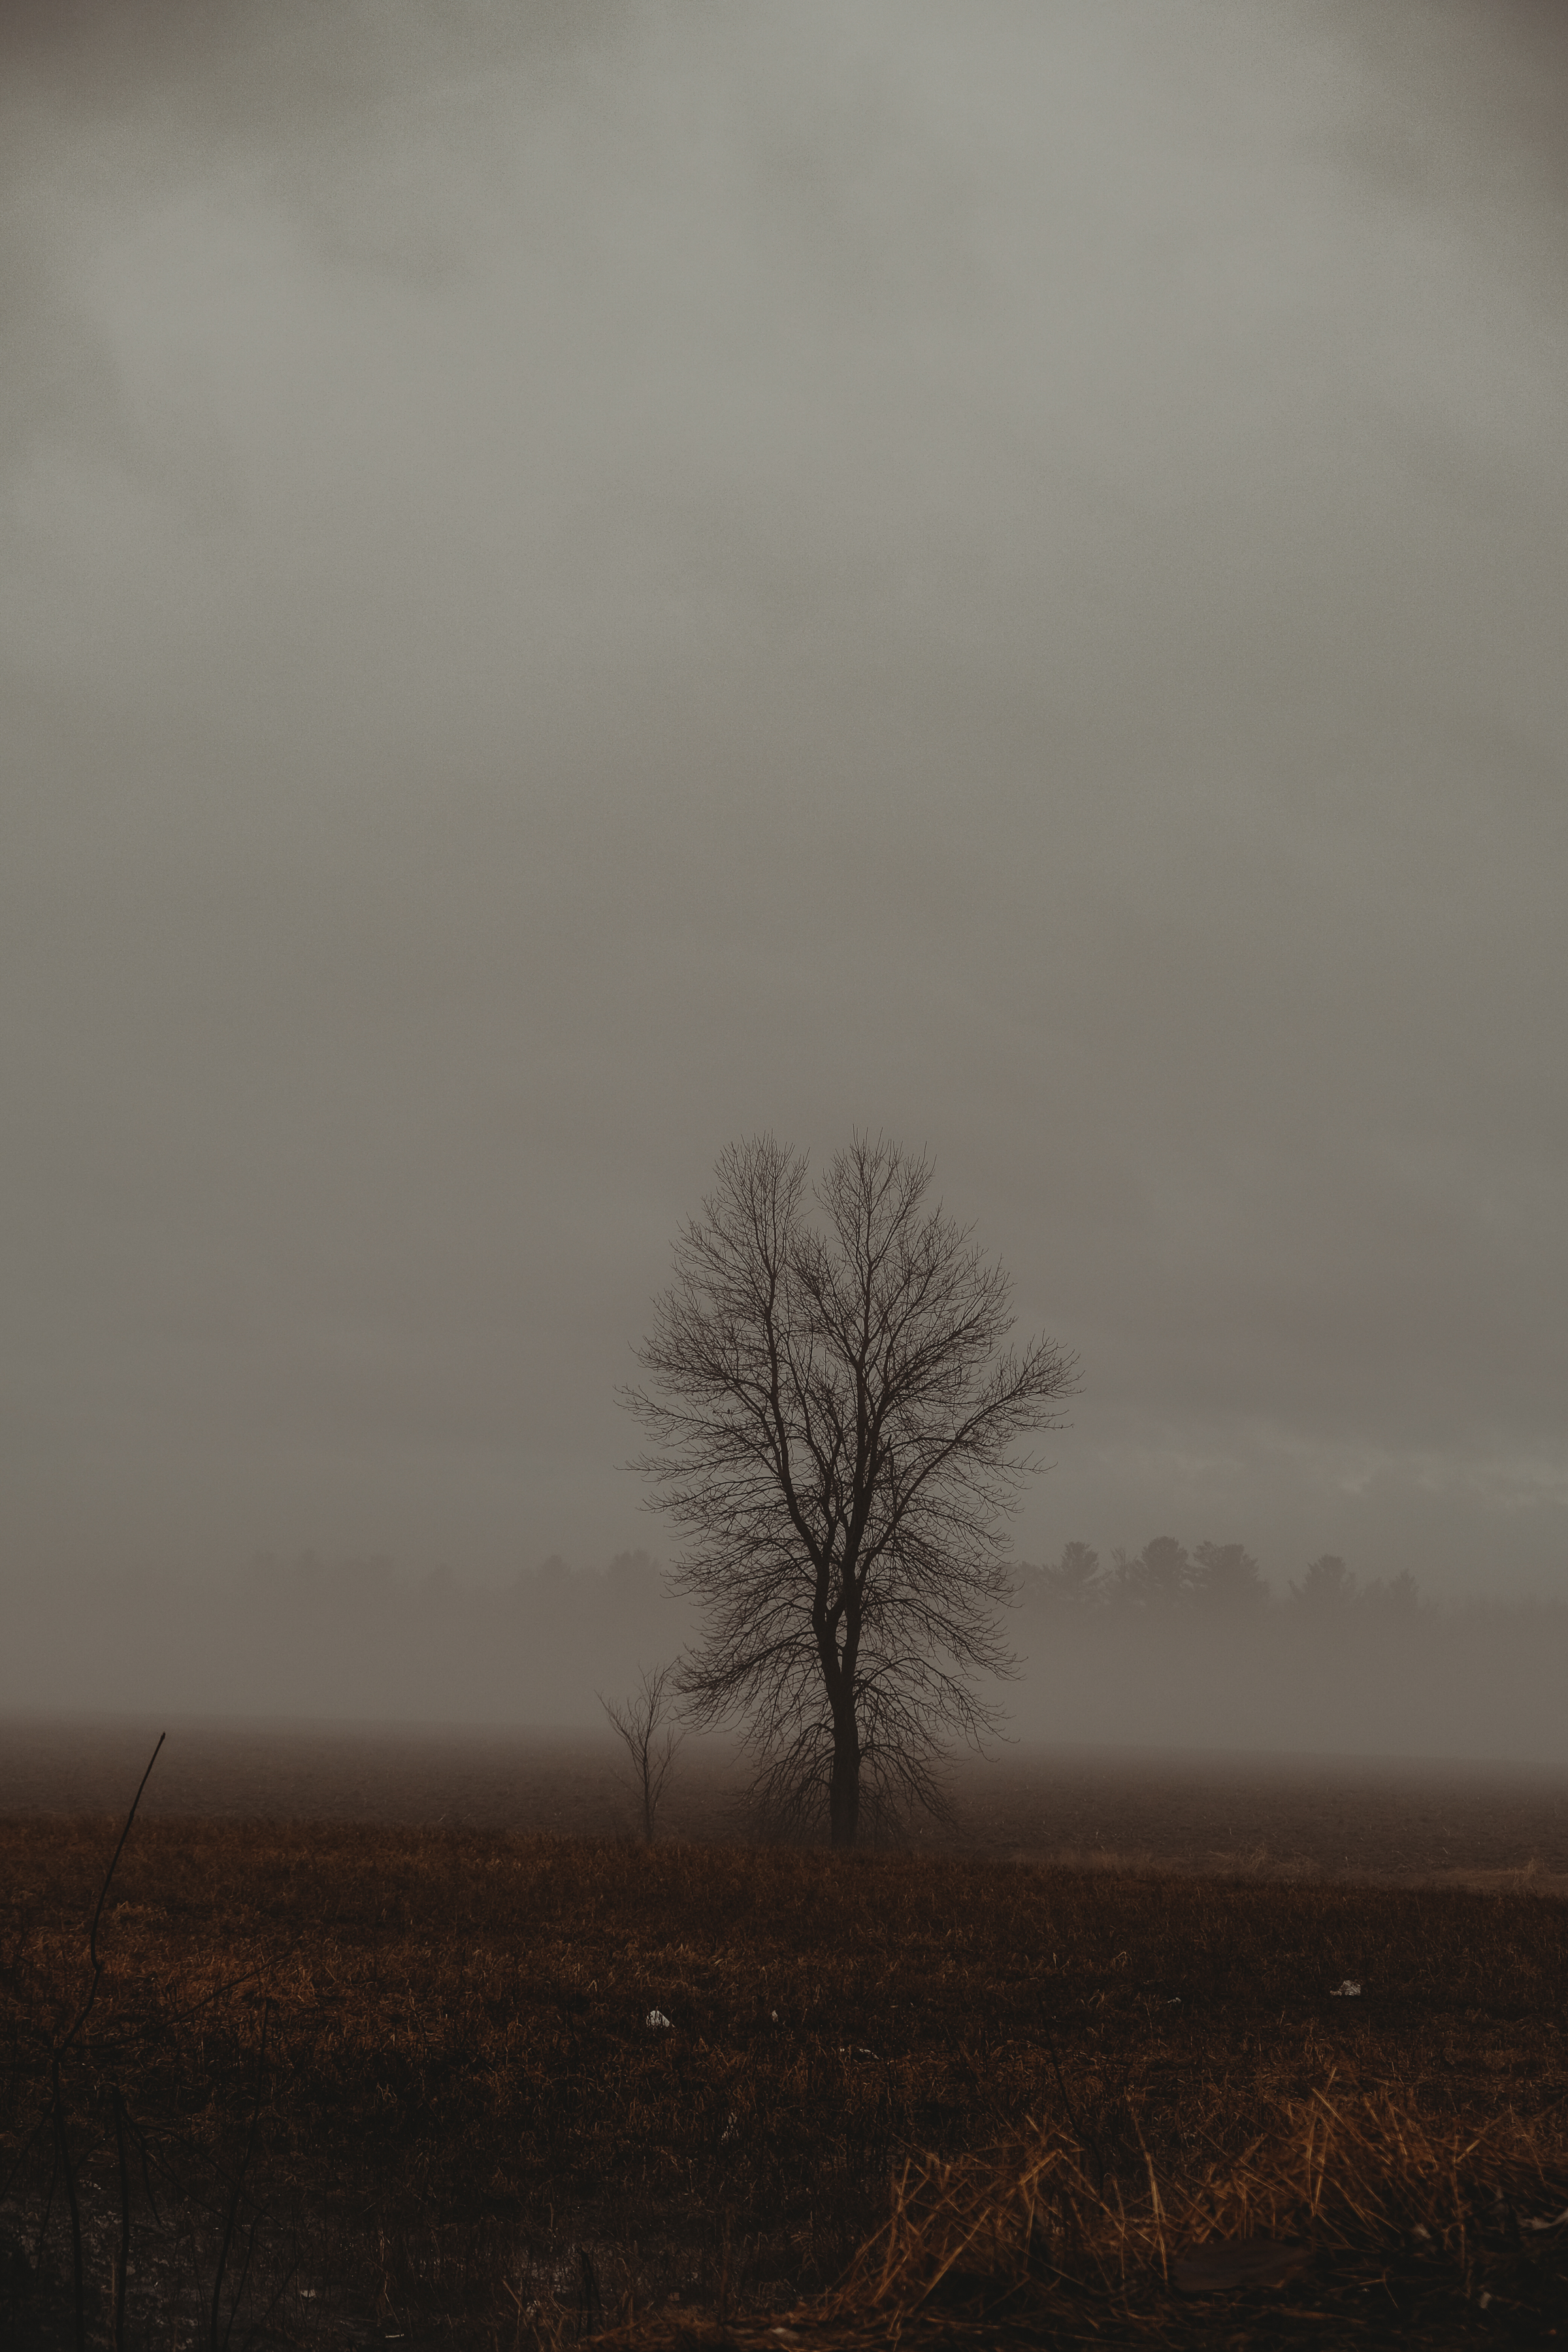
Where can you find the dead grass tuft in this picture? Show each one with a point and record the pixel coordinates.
(1354, 2196)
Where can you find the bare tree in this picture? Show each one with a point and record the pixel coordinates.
(650, 1738)
(835, 1427)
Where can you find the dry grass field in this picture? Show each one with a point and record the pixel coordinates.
(347, 2082)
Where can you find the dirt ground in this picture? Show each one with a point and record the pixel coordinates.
(1306, 1816)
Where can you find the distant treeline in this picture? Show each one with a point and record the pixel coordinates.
(350, 1639)
(1167, 1647)
(1218, 1578)
(1164, 1647)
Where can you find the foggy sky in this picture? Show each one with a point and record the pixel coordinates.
(577, 582)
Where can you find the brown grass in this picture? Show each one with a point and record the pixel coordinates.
(462, 2097)
(1390, 2215)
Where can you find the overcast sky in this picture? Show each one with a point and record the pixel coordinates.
(580, 581)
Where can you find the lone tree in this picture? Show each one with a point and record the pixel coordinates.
(837, 1428)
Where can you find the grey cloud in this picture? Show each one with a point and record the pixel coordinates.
(579, 582)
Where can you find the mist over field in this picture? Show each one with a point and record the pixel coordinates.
(1369, 1670)
(578, 581)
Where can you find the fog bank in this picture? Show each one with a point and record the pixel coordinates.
(580, 581)
(1327, 1667)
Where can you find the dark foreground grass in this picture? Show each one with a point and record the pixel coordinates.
(346, 2085)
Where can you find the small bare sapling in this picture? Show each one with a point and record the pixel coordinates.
(645, 1724)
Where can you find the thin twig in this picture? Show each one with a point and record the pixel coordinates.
(219, 2344)
(62, 2137)
(122, 2271)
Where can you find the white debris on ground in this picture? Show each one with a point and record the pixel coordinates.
(656, 2017)
(1345, 1991)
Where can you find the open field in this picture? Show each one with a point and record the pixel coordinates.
(1305, 1816)
(407, 2076)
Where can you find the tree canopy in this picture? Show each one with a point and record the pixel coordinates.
(839, 1428)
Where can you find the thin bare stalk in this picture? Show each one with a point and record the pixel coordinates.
(219, 2343)
(62, 2136)
(123, 2266)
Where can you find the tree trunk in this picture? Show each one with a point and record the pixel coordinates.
(844, 1790)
